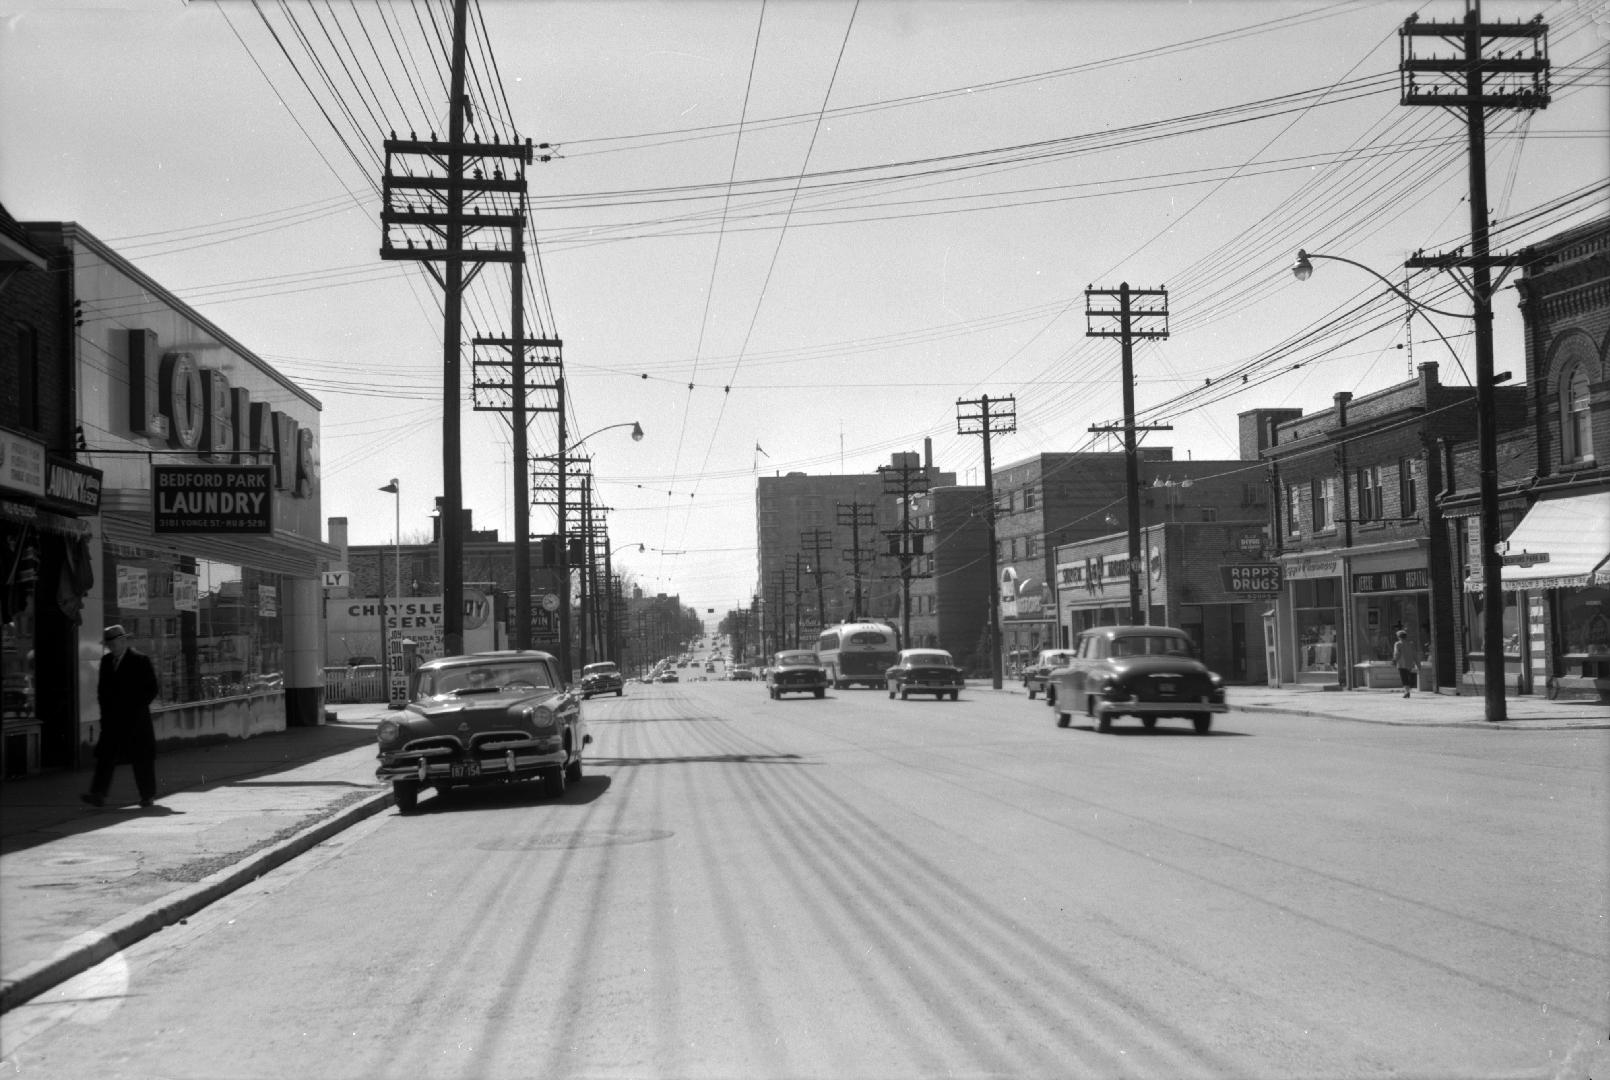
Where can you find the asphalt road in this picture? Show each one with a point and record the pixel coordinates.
(859, 887)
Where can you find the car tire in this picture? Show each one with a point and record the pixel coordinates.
(1062, 718)
(1203, 724)
(621, 692)
(1032, 692)
(891, 695)
(774, 693)
(820, 693)
(573, 770)
(1148, 722)
(558, 782)
(405, 793)
(1104, 723)
(903, 695)
(955, 695)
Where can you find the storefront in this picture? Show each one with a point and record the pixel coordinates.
(1391, 591)
(209, 551)
(1557, 570)
(47, 506)
(1028, 621)
(1311, 616)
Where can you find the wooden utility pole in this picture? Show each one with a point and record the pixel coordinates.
(815, 540)
(1154, 305)
(973, 417)
(855, 514)
(905, 543)
(434, 231)
(1477, 82)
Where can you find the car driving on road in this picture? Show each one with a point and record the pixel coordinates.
(1142, 671)
(796, 671)
(925, 671)
(1036, 674)
(603, 677)
(482, 718)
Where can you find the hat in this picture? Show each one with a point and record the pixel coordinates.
(114, 631)
(1403, 633)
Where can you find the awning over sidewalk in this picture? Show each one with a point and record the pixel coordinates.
(1573, 533)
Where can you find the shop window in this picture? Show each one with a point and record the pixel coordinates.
(1576, 416)
(1317, 617)
(212, 630)
(1475, 628)
(1585, 623)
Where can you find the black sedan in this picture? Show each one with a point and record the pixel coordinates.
(1142, 671)
(925, 671)
(796, 671)
(484, 718)
(602, 678)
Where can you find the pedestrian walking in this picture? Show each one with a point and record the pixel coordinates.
(127, 686)
(1405, 661)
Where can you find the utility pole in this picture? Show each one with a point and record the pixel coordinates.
(855, 514)
(905, 543)
(815, 539)
(441, 217)
(562, 508)
(1155, 305)
(779, 614)
(986, 423)
(799, 584)
(1479, 83)
(504, 384)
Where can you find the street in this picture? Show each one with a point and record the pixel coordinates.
(861, 887)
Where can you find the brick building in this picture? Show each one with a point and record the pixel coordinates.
(950, 600)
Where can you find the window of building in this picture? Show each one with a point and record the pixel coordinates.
(1031, 547)
(212, 630)
(1210, 513)
(1576, 419)
(1409, 487)
(1294, 521)
(1370, 506)
(28, 378)
(1322, 493)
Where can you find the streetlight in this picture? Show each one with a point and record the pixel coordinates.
(563, 553)
(395, 488)
(1487, 443)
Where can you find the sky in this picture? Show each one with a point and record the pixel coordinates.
(793, 235)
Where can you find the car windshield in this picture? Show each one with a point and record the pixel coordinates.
(599, 669)
(1152, 645)
(934, 657)
(483, 678)
(796, 659)
(1056, 659)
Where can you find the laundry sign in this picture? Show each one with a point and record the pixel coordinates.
(212, 499)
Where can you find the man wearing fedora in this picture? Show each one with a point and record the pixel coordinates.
(127, 686)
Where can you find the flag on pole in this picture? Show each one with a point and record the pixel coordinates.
(761, 452)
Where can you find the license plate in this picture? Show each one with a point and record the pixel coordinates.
(466, 768)
(1165, 688)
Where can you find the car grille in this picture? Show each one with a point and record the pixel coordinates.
(485, 742)
(434, 745)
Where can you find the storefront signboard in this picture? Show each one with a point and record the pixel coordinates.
(1414, 580)
(73, 486)
(1320, 567)
(132, 588)
(22, 464)
(231, 499)
(1252, 579)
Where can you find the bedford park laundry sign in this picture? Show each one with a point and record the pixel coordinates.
(212, 499)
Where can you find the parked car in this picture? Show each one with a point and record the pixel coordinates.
(796, 671)
(1142, 671)
(669, 676)
(603, 677)
(1049, 660)
(483, 718)
(742, 674)
(924, 671)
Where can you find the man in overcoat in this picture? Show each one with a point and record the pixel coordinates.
(127, 686)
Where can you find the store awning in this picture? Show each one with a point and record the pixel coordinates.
(1574, 537)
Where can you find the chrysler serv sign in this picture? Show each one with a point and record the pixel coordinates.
(212, 499)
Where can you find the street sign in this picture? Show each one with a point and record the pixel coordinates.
(336, 579)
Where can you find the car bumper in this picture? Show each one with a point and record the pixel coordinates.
(800, 688)
(511, 763)
(1105, 707)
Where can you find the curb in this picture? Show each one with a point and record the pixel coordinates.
(91, 947)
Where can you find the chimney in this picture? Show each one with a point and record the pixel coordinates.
(1342, 398)
(928, 453)
(338, 536)
(1428, 380)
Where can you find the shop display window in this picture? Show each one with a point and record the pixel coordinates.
(1377, 620)
(1475, 636)
(1317, 618)
(1585, 623)
(213, 630)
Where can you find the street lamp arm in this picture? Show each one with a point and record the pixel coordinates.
(637, 434)
(1304, 269)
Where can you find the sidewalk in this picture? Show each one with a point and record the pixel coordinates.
(78, 884)
(1389, 706)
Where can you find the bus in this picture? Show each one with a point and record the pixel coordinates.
(858, 652)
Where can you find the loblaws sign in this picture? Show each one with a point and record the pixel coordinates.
(182, 404)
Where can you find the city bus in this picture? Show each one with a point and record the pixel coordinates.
(858, 652)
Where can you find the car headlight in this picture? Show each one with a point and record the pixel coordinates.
(544, 717)
(389, 731)
(1215, 679)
